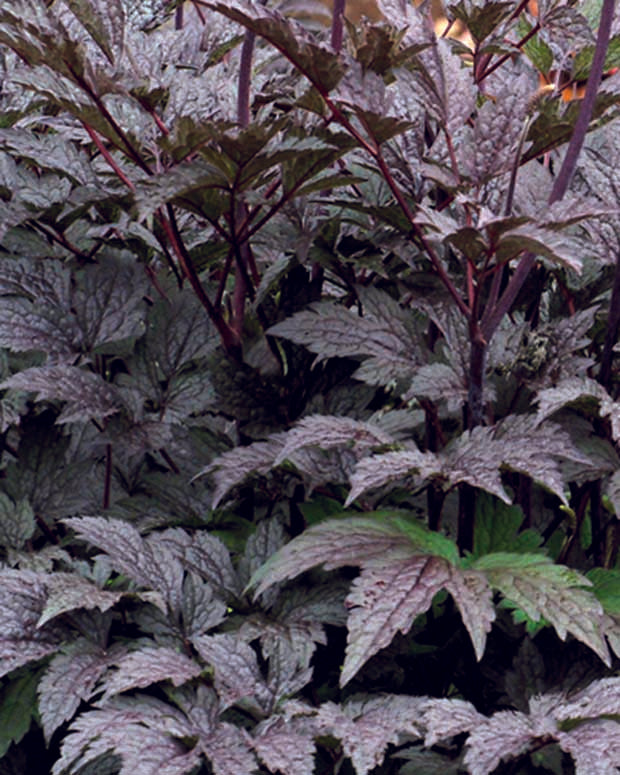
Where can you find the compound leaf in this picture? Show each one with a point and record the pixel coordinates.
(140, 669)
(367, 727)
(70, 679)
(542, 589)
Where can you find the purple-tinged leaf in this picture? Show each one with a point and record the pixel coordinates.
(326, 431)
(22, 600)
(594, 746)
(86, 394)
(68, 591)
(139, 732)
(366, 728)
(207, 556)
(145, 560)
(332, 544)
(379, 470)
(268, 537)
(506, 734)
(105, 21)
(331, 330)
(283, 748)
(569, 392)
(472, 594)
(140, 669)
(229, 750)
(543, 589)
(228, 747)
(201, 610)
(444, 719)
(231, 468)
(386, 598)
(70, 679)
(599, 698)
(237, 674)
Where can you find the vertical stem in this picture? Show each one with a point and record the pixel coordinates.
(338, 13)
(475, 397)
(108, 477)
(611, 335)
(245, 79)
(493, 316)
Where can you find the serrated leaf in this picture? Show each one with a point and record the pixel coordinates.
(70, 679)
(390, 593)
(105, 21)
(380, 470)
(327, 431)
(145, 560)
(334, 544)
(17, 522)
(497, 528)
(331, 330)
(444, 718)
(237, 674)
(86, 394)
(22, 599)
(283, 748)
(594, 747)
(68, 592)
(505, 735)
(543, 589)
(18, 705)
(386, 599)
(137, 732)
(322, 66)
(201, 609)
(148, 666)
(232, 467)
(46, 309)
(206, 556)
(367, 727)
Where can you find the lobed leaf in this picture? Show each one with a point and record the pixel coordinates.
(543, 589)
(70, 679)
(147, 666)
(366, 727)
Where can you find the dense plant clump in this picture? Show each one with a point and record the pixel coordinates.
(309, 411)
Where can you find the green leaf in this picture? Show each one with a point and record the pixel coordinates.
(18, 707)
(606, 587)
(497, 528)
(540, 588)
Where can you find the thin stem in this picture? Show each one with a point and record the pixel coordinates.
(245, 79)
(611, 334)
(561, 183)
(337, 26)
(505, 57)
(108, 157)
(108, 477)
(131, 151)
(227, 335)
(58, 237)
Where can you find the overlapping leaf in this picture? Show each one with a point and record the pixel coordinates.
(541, 588)
(70, 679)
(367, 727)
